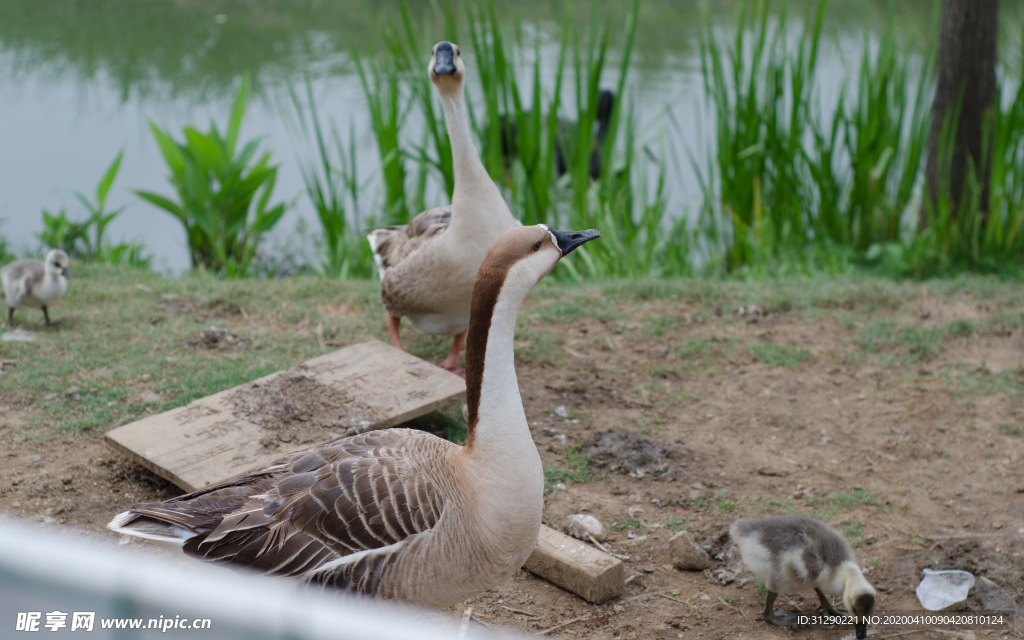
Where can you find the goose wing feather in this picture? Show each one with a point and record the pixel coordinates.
(391, 245)
(18, 278)
(311, 507)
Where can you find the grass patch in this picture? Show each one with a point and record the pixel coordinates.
(908, 344)
(447, 423)
(538, 345)
(831, 506)
(626, 524)
(576, 469)
(773, 355)
(854, 531)
(967, 379)
(123, 329)
(1009, 429)
(676, 524)
(773, 505)
(723, 503)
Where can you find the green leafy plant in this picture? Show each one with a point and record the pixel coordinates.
(59, 232)
(88, 240)
(223, 192)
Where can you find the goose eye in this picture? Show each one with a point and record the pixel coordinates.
(536, 246)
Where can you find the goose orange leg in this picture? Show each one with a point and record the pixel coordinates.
(451, 363)
(393, 323)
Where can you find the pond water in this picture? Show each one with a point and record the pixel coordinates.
(81, 79)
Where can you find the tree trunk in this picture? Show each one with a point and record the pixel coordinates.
(967, 74)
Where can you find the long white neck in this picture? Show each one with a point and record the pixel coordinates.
(476, 201)
(500, 443)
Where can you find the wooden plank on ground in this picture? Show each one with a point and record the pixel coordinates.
(359, 388)
(576, 566)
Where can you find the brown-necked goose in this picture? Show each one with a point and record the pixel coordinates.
(797, 553)
(396, 513)
(427, 267)
(31, 283)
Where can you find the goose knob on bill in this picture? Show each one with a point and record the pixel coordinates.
(427, 267)
(31, 283)
(396, 513)
(796, 553)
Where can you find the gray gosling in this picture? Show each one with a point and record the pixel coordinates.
(796, 553)
(31, 283)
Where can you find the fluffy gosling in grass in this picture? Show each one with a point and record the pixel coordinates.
(31, 283)
(796, 553)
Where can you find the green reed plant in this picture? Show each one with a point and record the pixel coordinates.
(332, 186)
(962, 234)
(519, 139)
(223, 192)
(382, 85)
(760, 92)
(407, 51)
(886, 131)
(6, 251)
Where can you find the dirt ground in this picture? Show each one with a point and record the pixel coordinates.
(743, 412)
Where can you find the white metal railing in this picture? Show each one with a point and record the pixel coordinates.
(43, 572)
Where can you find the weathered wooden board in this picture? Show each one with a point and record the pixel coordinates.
(576, 566)
(374, 386)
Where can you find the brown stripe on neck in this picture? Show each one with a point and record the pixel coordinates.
(490, 278)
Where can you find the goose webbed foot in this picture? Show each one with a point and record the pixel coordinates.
(393, 323)
(776, 616)
(781, 618)
(451, 363)
(827, 606)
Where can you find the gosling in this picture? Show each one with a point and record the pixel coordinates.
(796, 553)
(31, 283)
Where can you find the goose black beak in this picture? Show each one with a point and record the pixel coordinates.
(444, 59)
(66, 272)
(862, 629)
(569, 240)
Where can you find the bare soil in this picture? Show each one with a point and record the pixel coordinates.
(916, 455)
(296, 409)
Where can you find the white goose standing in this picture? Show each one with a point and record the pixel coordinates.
(397, 513)
(427, 267)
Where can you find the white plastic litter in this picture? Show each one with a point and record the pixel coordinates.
(18, 335)
(939, 589)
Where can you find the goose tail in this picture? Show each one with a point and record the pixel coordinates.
(133, 524)
(377, 238)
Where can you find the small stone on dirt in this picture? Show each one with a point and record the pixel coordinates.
(561, 411)
(581, 525)
(772, 472)
(686, 555)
